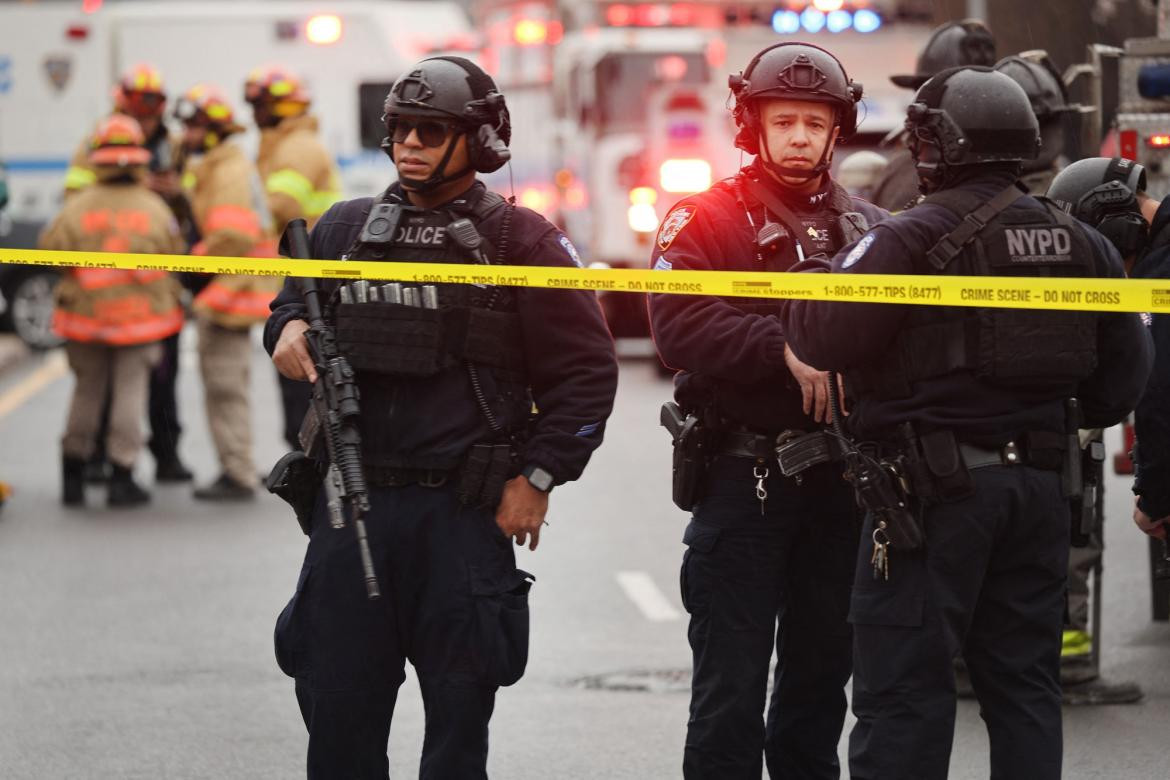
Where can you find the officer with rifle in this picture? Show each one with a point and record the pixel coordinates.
(475, 402)
(971, 416)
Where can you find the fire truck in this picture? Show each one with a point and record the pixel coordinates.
(620, 109)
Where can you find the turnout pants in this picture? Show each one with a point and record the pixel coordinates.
(125, 372)
(224, 362)
(989, 584)
(453, 604)
(753, 581)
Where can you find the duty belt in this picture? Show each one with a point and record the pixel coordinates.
(396, 476)
(745, 444)
(1034, 449)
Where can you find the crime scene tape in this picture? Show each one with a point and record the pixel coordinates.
(1109, 295)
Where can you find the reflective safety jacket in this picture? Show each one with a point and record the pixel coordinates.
(298, 173)
(107, 305)
(232, 216)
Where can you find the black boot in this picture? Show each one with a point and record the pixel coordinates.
(72, 481)
(124, 491)
(170, 469)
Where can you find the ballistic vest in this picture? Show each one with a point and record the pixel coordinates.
(1037, 351)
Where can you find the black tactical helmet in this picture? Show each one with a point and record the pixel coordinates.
(793, 71)
(1037, 75)
(967, 42)
(970, 115)
(456, 90)
(1102, 192)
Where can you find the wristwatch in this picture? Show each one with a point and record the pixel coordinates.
(538, 478)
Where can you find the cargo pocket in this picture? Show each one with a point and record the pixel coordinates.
(286, 636)
(698, 538)
(501, 623)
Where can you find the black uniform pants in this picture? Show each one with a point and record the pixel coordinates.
(990, 584)
(742, 572)
(453, 604)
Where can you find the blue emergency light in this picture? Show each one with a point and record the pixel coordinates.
(1154, 81)
(813, 20)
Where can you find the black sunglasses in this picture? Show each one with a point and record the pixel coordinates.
(431, 132)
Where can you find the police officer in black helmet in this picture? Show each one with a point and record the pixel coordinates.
(1109, 194)
(762, 548)
(1042, 83)
(459, 465)
(965, 42)
(970, 407)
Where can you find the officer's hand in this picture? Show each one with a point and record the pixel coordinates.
(1155, 528)
(1148, 206)
(291, 355)
(814, 387)
(521, 512)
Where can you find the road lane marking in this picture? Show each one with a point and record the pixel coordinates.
(54, 367)
(641, 590)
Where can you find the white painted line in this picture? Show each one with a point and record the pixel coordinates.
(641, 590)
(54, 367)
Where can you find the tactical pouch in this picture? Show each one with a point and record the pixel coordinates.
(296, 479)
(485, 470)
(689, 465)
(390, 338)
(949, 478)
(797, 451)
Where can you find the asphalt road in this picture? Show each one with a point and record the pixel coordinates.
(138, 644)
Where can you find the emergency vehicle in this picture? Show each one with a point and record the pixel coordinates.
(635, 96)
(58, 61)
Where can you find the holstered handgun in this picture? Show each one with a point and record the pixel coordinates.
(296, 479)
(1086, 509)
(690, 457)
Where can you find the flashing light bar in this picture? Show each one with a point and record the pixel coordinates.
(323, 29)
(813, 19)
(1159, 141)
(642, 218)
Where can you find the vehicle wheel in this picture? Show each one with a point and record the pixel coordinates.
(30, 309)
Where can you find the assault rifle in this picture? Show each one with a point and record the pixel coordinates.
(336, 409)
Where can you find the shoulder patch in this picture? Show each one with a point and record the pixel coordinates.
(571, 250)
(858, 251)
(662, 264)
(674, 223)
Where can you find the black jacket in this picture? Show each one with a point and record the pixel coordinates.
(730, 351)
(571, 366)
(840, 336)
(1152, 418)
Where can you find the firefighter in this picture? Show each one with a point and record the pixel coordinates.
(299, 177)
(140, 94)
(113, 320)
(233, 220)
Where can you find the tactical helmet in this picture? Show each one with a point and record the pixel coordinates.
(1102, 192)
(966, 42)
(119, 141)
(1036, 74)
(793, 71)
(139, 92)
(970, 115)
(458, 91)
(278, 88)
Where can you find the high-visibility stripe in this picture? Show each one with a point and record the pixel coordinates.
(228, 217)
(78, 327)
(78, 178)
(297, 186)
(101, 278)
(245, 303)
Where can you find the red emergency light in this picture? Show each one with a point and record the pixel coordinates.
(91, 6)
(1127, 143)
(662, 15)
(1159, 141)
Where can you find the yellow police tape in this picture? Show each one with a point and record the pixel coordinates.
(1117, 295)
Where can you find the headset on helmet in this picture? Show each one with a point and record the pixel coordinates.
(1102, 192)
(795, 71)
(458, 91)
(970, 115)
